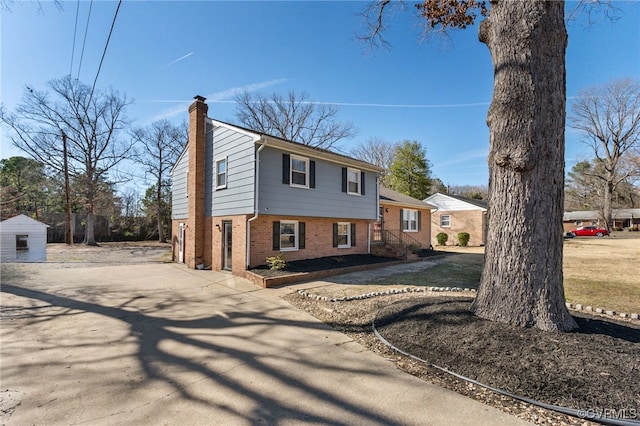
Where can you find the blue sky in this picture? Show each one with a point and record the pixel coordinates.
(162, 53)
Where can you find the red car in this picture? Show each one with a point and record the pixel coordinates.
(588, 231)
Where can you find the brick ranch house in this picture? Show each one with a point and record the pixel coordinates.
(241, 196)
(404, 225)
(453, 214)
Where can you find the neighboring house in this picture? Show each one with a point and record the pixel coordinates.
(622, 219)
(405, 222)
(23, 239)
(240, 196)
(453, 214)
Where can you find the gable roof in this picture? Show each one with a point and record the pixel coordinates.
(389, 196)
(23, 220)
(299, 148)
(288, 145)
(595, 215)
(448, 202)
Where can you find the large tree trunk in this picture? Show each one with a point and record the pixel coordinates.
(522, 278)
(607, 204)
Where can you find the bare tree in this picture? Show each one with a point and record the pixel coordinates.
(608, 119)
(160, 145)
(91, 123)
(521, 282)
(293, 118)
(376, 151)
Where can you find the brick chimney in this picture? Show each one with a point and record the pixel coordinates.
(194, 241)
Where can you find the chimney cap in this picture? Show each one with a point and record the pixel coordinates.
(199, 98)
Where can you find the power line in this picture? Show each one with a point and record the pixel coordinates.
(113, 23)
(86, 30)
(73, 46)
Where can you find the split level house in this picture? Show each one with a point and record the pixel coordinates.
(241, 196)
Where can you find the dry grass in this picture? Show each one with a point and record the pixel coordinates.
(604, 272)
(598, 272)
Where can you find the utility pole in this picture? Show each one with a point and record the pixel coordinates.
(69, 232)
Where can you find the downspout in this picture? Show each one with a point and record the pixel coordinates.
(256, 191)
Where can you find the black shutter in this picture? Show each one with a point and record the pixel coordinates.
(276, 235)
(353, 235)
(344, 179)
(286, 168)
(301, 234)
(361, 183)
(419, 220)
(312, 174)
(335, 235)
(401, 219)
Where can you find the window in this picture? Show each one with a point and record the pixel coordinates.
(445, 221)
(353, 181)
(299, 171)
(410, 220)
(288, 235)
(344, 235)
(221, 173)
(22, 242)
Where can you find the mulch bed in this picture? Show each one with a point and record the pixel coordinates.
(322, 264)
(593, 369)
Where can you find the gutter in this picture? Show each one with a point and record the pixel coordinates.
(256, 210)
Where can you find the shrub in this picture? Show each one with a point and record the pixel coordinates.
(276, 263)
(463, 239)
(414, 248)
(442, 238)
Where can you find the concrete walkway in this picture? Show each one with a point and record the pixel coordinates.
(159, 344)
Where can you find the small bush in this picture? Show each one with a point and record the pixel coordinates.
(442, 238)
(276, 263)
(414, 248)
(463, 239)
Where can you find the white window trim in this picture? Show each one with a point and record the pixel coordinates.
(348, 224)
(306, 173)
(409, 221)
(296, 235)
(357, 172)
(226, 172)
(445, 226)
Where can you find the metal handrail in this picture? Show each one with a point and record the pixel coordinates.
(403, 240)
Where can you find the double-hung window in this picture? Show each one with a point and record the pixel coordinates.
(344, 235)
(445, 221)
(288, 235)
(353, 181)
(299, 171)
(221, 173)
(410, 220)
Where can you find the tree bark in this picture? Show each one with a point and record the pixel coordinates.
(522, 278)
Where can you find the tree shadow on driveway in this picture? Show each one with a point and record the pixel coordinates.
(241, 366)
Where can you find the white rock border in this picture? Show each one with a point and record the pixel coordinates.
(571, 306)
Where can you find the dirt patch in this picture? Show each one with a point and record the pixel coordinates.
(110, 253)
(595, 368)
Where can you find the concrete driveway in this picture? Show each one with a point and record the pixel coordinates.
(160, 344)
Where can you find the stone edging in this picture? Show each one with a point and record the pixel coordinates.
(602, 311)
(575, 307)
(304, 293)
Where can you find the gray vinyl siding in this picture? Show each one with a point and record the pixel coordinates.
(179, 208)
(238, 196)
(325, 200)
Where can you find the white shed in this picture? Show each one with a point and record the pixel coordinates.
(23, 239)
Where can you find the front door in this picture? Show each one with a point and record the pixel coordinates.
(181, 242)
(226, 244)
